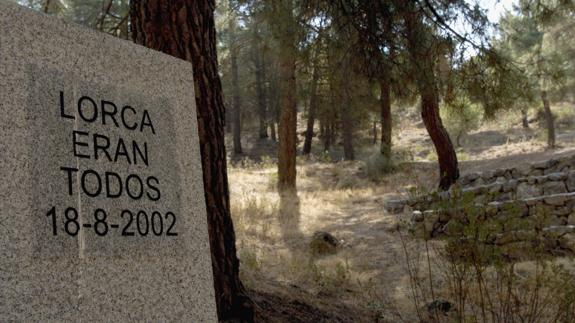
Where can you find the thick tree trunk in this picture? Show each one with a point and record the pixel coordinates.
(288, 105)
(385, 104)
(549, 119)
(313, 102)
(236, 105)
(185, 29)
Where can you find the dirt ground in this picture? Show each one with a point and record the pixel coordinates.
(366, 279)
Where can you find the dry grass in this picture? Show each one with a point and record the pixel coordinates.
(370, 269)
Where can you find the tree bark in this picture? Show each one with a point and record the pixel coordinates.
(236, 107)
(313, 102)
(385, 104)
(287, 86)
(549, 120)
(185, 29)
(420, 46)
(347, 129)
(448, 166)
(374, 132)
(260, 72)
(524, 120)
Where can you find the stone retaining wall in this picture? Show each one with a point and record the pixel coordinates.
(551, 177)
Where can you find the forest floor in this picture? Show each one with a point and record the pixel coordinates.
(366, 280)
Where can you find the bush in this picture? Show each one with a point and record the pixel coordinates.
(460, 116)
(377, 165)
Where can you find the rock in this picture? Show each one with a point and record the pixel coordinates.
(570, 182)
(551, 188)
(499, 172)
(479, 181)
(567, 242)
(395, 206)
(557, 199)
(323, 243)
(487, 176)
(517, 250)
(533, 201)
(545, 164)
(560, 230)
(417, 216)
(503, 197)
(495, 188)
(500, 179)
(468, 179)
(525, 190)
(514, 236)
(561, 211)
(557, 176)
(510, 185)
(535, 172)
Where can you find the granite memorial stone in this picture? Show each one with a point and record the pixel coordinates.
(102, 214)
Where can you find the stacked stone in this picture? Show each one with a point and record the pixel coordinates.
(542, 195)
(541, 179)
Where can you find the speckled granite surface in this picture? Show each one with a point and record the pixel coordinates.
(102, 212)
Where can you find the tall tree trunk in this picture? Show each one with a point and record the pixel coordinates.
(273, 131)
(313, 102)
(385, 105)
(236, 109)
(420, 41)
(346, 114)
(287, 86)
(185, 29)
(273, 106)
(260, 74)
(549, 120)
(448, 166)
(375, 132)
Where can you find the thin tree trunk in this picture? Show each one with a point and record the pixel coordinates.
(524, 120)
(236, 109)
(549, 120)
(186, 29)
(46, 8)
(375, 132)
(313, 102)
(288, 108)
(346, 114)
(385, 104)
(273, 131)
(260, 74)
